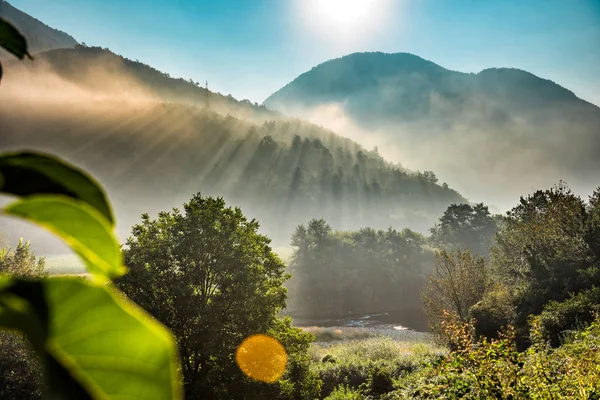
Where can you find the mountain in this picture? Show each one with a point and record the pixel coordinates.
(153, 141)
(493, 134)
(40, 36)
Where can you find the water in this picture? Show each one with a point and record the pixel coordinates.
(398, 321)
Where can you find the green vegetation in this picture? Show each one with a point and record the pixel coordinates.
(514, 301)
(457, 283)
(341, 273)
(22, 373)
(520, 323)
(323, 334)
(74, 326)
(465, 226)
(213, 280)
(371, 367)
(21, 261)
(65, 319)
(496, 370)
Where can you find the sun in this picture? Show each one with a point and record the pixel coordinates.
(345, 11)
(344, 23)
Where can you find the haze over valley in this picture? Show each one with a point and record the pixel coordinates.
(400, 199)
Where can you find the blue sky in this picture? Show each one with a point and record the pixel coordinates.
(251, 48)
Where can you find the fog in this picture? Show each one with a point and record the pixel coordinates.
(488, 162)
(152, 154)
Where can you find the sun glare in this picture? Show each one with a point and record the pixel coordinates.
(344, 11)
(344, 22)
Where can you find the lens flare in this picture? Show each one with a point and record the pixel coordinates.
(261, 358)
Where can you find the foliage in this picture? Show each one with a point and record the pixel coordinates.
(547, 252)
(75, 326)
(21, 261)
(458, 281)
(559, 318)
(47, 175)
(208, 275)
(79, 224)
(343, 392)
(466, 227)
(299, 381)
(479, 369)
(21, 375)
(361, 271)
(370, 366)
(494, 312)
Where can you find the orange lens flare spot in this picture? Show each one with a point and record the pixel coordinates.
(262, 358)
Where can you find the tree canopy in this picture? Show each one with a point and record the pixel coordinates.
(210, 277)
(350, 272)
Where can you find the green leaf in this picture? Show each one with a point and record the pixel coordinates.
(81, 226)
(28, 173)
(98, 344)
(12, 40)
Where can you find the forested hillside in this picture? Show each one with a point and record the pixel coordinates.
(493, 134)
(119, 119)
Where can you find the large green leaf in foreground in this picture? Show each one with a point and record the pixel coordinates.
(97, 343)
(81, 226)
(29, 173)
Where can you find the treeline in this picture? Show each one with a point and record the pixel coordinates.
(345, 184)
(544, 269)
(207, 274)
(336, 273)
(340, 273)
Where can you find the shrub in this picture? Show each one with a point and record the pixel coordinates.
(493, 313)
(576, 312)
(343, 392)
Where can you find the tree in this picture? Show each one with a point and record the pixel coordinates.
(547, 251)
(20, 370)
(21, 261)
(348, 272)
(459, 280)
(213, 280)
(466, 227)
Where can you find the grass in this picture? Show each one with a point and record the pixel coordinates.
(359, 360)
(373, 349)
(323, 334)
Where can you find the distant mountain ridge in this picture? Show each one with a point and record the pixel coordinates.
(75, 64)
(503, 126)
(40, 36)
(399, 87)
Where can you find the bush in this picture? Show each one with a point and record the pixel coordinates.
(574, 313)
(371, 365)
(493, 313)
(482, 369)
(345, 393)
(21, 374)
(380, 381)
